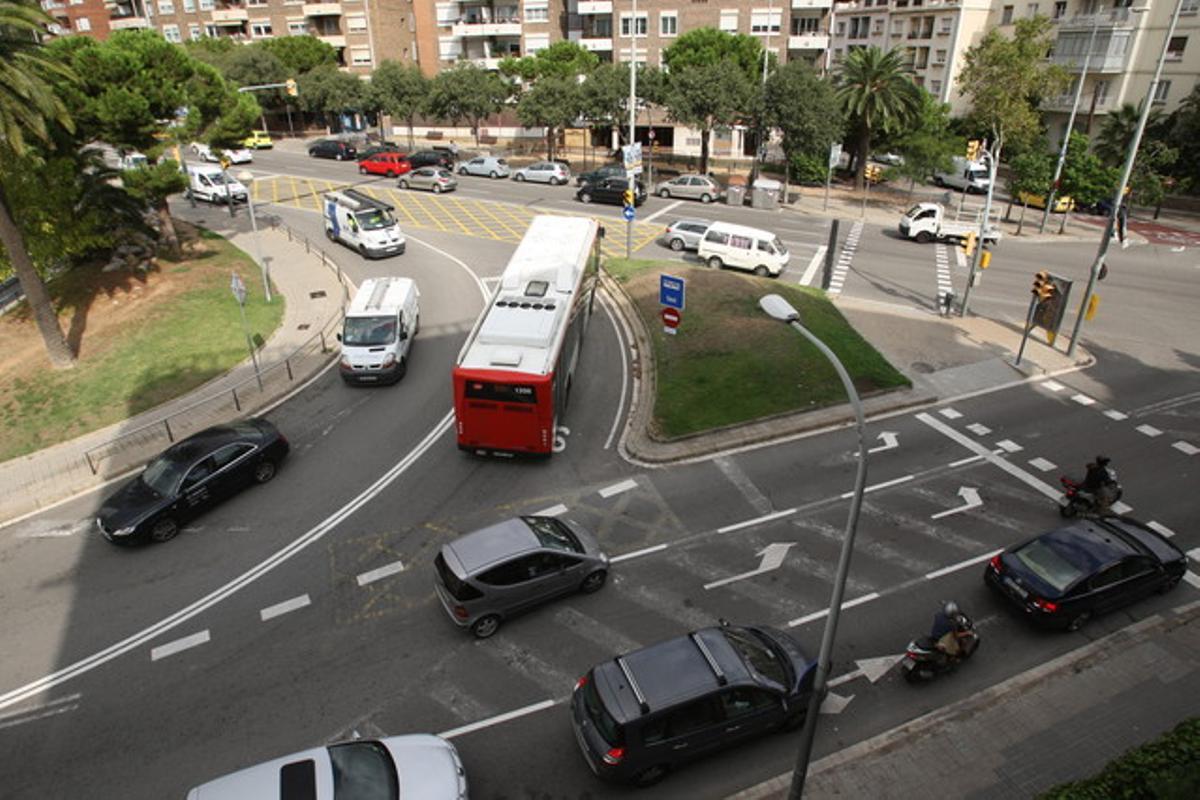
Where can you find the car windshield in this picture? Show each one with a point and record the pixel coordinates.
(779, 248)
(1048, 564)
(979, 174)
(552, 533)
(219, 177)
(912, 212)
(163, 474)
(759, 655)
(363, 771)
(369, 331)
(375, 219)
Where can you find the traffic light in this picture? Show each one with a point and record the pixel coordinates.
(968, 244)
(291, 87)
(873, 173)
(1043, 286)
(973, 148)
(627, 197)
(985, 258)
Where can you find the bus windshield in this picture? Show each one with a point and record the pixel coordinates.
(375, 219)
(369, 331)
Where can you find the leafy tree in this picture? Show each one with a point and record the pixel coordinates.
(400, 91)
(1032, 172)
(552, 102)
(877, 92)
(300, 54)
(604, 95)
(328, 90)
(563, 59)
(30, 109)
(1183, 134)
(707, 96)
(1006, 79)
(469, 93)
(251, 65)
(1151, 172)
(926, 144)
(1085, 178)
(212, 50)
(803, 106)
(1155, 157)
(706, 47)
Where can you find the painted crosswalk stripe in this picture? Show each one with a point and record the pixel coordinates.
(179, 645)
(1192, 578)
(838, 279)
(279, 609)
(1112, 413)
(1083, 399)
(1121, 508)
(1149, 430)
(944, 285)
(1187, 448)
(378, 574)
(979, 429)
(1053, 386)
(552, 511)
(1160, 529)
(617, 488)
(949, 413)
(1009, 446)
(1041, 464)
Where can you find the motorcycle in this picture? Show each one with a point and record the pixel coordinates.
(1078, 501)
(924, 661)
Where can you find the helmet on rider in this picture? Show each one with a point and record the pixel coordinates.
(950, 609)
(1102, 461)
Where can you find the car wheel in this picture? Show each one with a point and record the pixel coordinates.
(1170, 583)
(677, 244)
(164, 530)
(585, 198)
(938, 181)
(715, 262)
(363, 171)
(1079, 621)
(761, 271)
(493, 175)
(264, 471)
(391, 173)
(519, 178)
(924, 237)
(795, 721)
(651, 775)
(1068, 509)
(664, 192)
(462, 170)
(706, 198)
(362, 251)
(485, 626)
(403, 184)
(312, 153)
(594, 581)
(437, 188)
(329, 235)
(402, 370)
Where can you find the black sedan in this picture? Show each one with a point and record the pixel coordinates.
(386, 147)
(189, 477)
(610, 190)
(1065, 577)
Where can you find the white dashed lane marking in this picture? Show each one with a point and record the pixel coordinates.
(636, 553)
(1053, 386)
(552, 511)
(1187, 448)
(937, 573)
(949, 413)
(1083, 399)
(1112, 413)
(279, 609)
(979, 429)
(385, 571)
(1009, 446)
(618, 488)
(1041, 464)
(1160, 529)
(944, 285)
(838, 279)
(1149, 430)
(179, 645)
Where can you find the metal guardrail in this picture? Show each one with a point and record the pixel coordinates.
(242, 398)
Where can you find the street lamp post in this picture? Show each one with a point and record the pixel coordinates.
(1130, 157)
(247, 177)
(1062, 153)
(781, 310)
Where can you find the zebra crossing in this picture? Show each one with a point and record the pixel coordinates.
(944, 286)
(845, 258)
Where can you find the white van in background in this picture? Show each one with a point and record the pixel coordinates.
(209, 183)
(362, 223)
(969, 176)
(378, 331)
(727, 245)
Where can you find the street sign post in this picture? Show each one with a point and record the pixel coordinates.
(238, 287)
(629, 213)
(672, 292)
(632, 155)
(835, 158)
(671, 319)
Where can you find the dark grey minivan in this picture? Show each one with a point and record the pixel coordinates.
(498, 571)
(640, 715)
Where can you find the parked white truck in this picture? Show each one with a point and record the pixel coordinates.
(926, 222)
(969, 176)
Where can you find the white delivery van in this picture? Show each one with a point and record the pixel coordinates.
(209, 183)
(363, 223)
(969, 176)
(727, 245)
(379, 329)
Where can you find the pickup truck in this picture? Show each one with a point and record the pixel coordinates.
(926, 222)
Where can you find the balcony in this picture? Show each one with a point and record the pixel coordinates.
(483, 63)
(1063, 102)
(595, 8)
(332, 39)
(127, 23)
(808, 41)
(498, 28)
(1097, 63)
(596, 45)
(230, 16)
(322, 9)
(1108, 20)
(812, 3)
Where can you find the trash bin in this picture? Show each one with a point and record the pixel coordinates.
(765, 193)
(735, 195)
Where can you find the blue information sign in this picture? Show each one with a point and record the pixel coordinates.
(629, 213)
(671, 291)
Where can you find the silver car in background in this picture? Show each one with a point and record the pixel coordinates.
(691, 187)
(506, 568)
(487, 166)
(550, 172)
(435, 179)
(684, 234)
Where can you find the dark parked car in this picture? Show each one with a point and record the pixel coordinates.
(189, 477)
(610, 190)
(332, 148)
(386, 147)
(599, 174)
(1065, 577)
(640, 715)
(431, 158)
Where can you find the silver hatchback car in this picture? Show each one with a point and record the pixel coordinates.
(500, 570)
(435, 179)
(691, 187)
(488, 166)
(550, 172)
(684, 234)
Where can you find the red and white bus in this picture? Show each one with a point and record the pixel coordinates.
(513, 376)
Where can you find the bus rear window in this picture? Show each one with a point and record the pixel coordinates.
(501, 392)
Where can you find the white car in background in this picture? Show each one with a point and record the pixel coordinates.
(550, 172)
(241, 155)
(395, 768)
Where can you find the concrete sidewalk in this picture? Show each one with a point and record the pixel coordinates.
(314, 296)
(1063, 721)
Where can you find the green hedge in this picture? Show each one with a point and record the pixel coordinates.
(1167, 768)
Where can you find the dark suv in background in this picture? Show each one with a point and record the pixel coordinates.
(431, 158)
(610, 190)
(640, 715)
(332, 148)
(607, 171)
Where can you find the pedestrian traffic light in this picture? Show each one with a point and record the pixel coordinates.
(968, 244)
(291, 87)
(1043, 286)
(627, 197)
(973, 148)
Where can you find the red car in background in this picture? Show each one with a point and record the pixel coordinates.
(389, 164)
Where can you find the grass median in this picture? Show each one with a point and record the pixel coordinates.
(730, 363)
(142, 339)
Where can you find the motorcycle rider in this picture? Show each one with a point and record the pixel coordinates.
(945, 628)
(1100, 483)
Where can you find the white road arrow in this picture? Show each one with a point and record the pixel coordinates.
(772, 556)
(966, 493)
(835, 703)
(890, 441)
(870, 668)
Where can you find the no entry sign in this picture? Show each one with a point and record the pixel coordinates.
(671, 318)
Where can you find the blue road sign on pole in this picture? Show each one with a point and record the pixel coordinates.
(672, 291)
(629, 213)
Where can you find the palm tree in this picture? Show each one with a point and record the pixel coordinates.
(1112, 143)
(29, 108)
(877, 91)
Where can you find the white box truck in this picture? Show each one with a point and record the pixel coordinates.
(926, 222)
(362, 223)
(379, 329)
(968, 176)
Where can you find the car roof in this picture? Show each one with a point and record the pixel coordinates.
(206, 441)
(670, 672)
(687, 221)
(482, 548)
(744, 230)
(1086, 544)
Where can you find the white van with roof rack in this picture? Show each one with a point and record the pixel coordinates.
(379, 329)
(727, 245)
(362, 223)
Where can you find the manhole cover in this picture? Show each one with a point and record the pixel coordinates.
(921, 367)
(315, 295)
(305, 326)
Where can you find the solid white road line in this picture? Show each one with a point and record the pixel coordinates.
(1149, 430)
(937, 573)
(552, 511)
(1161, 530)
(623, 336)
(1027, 478)
(636, 553)
(662, 211)
(499, 718)
(385, 571)
(1114, 414)
(618, 488)
(737, 526)
(858, 601)
(1083, 399)
(1041, 464)
(1187, 448)
(60, 705)
(884, 485)
(811, 272)
(179, 645)
(279, 609)
(966, 460)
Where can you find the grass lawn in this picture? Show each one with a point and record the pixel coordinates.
(141, 340)
(731, 363)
